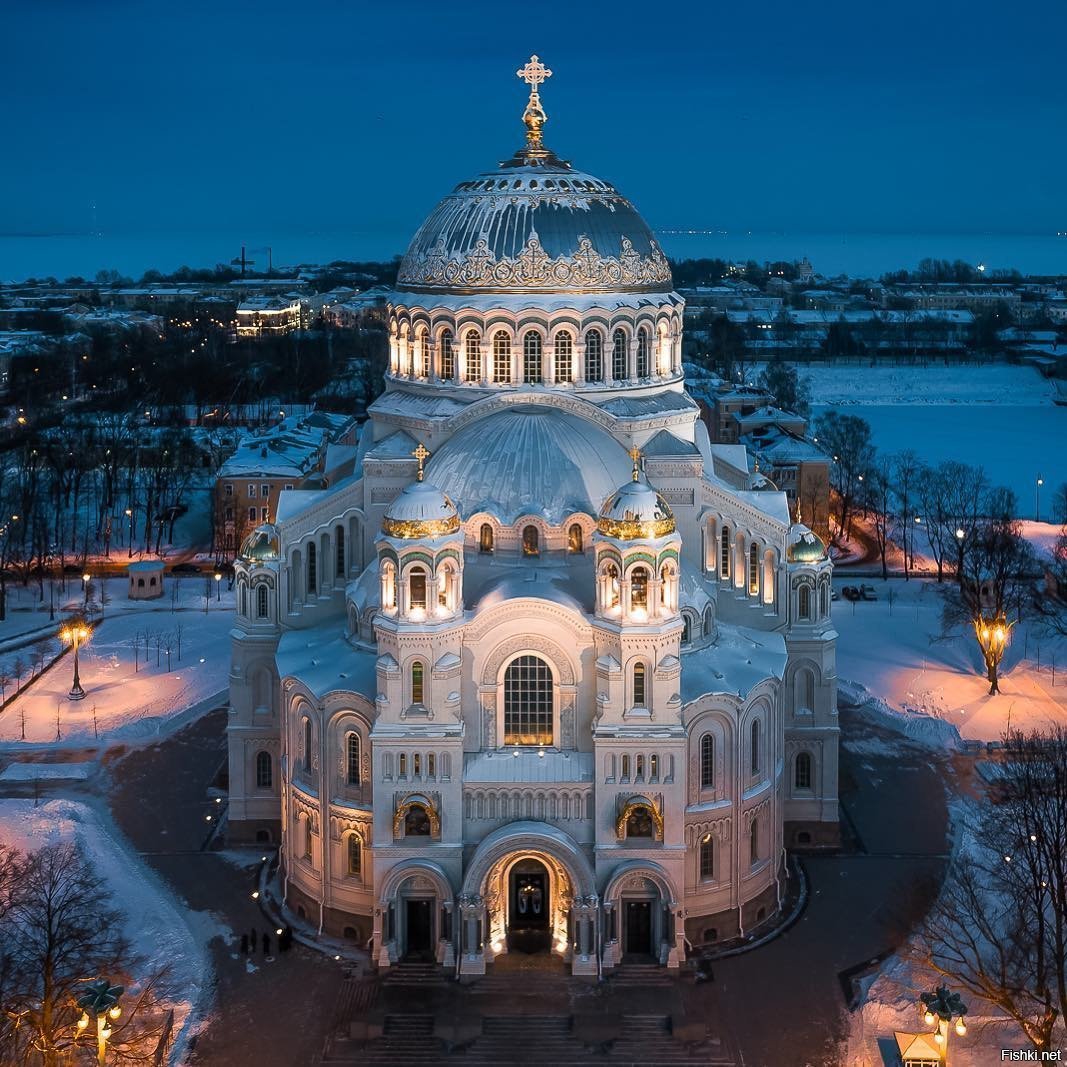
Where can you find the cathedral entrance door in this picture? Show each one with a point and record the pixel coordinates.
(638, 928)
(418, 928)
(529, 907)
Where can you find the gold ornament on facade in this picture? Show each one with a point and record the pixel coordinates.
(416, 800)
(632, 806)
(636, 529)
(412, 529)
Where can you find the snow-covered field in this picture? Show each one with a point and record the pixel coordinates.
(131, 693)
(892, 651)
(992, 383)
(155, 923)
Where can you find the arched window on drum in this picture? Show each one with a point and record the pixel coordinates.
(564, 357)
(594, 356)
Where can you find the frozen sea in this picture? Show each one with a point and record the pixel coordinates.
(858, 254)
(1001, 417)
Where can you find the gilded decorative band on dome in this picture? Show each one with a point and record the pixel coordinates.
(534, 268)
(635, 529)
(411, 529)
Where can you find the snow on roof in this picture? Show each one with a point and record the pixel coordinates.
(774, 505)
(325, 662)
(527, 766)
(636, 407)
(418, 405)
(666, 443)
(397, 445)
(736, 663)
(567, 581)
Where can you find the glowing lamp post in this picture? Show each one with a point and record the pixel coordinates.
(100, 1001)
(218, 587)
(1037, 501)
(129, 515)
(993, 636)
(942, 1007)
(86, 578)
(75, 634)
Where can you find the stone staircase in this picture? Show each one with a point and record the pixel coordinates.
(507, 1039)
(412, 973)
(406, 1041)
(647, 1039)
(641, 975)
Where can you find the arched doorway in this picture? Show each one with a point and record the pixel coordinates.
(531, 888)
(643, 920)
(529, 907)
(414, 919)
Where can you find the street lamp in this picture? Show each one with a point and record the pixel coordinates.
(1037, 506)
(993, 635)
(75, 634)
(85, 587)
(100, 1001)
(129, 515)
(218, 587)
(941, 1007)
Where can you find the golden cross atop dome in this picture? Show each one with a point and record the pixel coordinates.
(534, 73)
(422, 453)
(635, 455)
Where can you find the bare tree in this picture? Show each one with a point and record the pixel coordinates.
(906, 479)
(848, 440)
(18, 669)
(999, 928)
(967, 490)
(57, 929)
(880, 488)
(937, 519)
(168, 645)
(178, 630)
(5, 681)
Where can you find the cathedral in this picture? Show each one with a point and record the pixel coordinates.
(549, 671)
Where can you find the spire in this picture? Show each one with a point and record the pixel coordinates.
(534, 73)
(422, 453)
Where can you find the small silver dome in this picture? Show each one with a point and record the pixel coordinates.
(264, 543)
(420, 510)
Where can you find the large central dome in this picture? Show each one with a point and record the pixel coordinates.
(537, 228)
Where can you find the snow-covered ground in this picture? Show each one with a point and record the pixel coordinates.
(891, 651)
(155, 923)
(992, 383)
(129, 700)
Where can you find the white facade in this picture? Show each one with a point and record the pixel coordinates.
(571, 686)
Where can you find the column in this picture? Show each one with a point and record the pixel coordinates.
(579, 362)
(432, 349)
(548, 363)
(631, 360)
(487, 356)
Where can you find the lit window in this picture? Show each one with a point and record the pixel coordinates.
(474, 357)
(262, 605)
(642, 353)
(707, 858)
(531, 545)
(417, 673)
(753, 570)
(352, 772)
(448, 357)
(724, 561)
(531, 359)
(501, 357)
(802, 771)
(528, 702)
(564, 358)
(355, 856)
(417, 588)
(574, 539)
(639, 588)
(485, 538)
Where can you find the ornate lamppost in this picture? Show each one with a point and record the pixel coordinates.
(942, 1006)
(100, 1001)
(75, 634)
(993, 635)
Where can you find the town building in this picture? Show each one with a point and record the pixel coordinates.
(562, 685)
(307, 451)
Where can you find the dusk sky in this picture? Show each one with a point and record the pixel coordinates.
(913, 116)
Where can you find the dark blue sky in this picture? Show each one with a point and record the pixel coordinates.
(936, 115)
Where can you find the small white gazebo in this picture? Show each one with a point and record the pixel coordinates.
(146, 579)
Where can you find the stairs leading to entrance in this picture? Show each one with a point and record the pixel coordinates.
(406, 1041)
(413, 973)
(643, 975)
(647, 1039)
(510, 1039)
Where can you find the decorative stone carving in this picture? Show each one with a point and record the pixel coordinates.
(566, 723)
(534, 268)
(528, 643)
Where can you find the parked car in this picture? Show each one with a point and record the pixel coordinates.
(868, 592)
(185, 568)
(850, 592)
